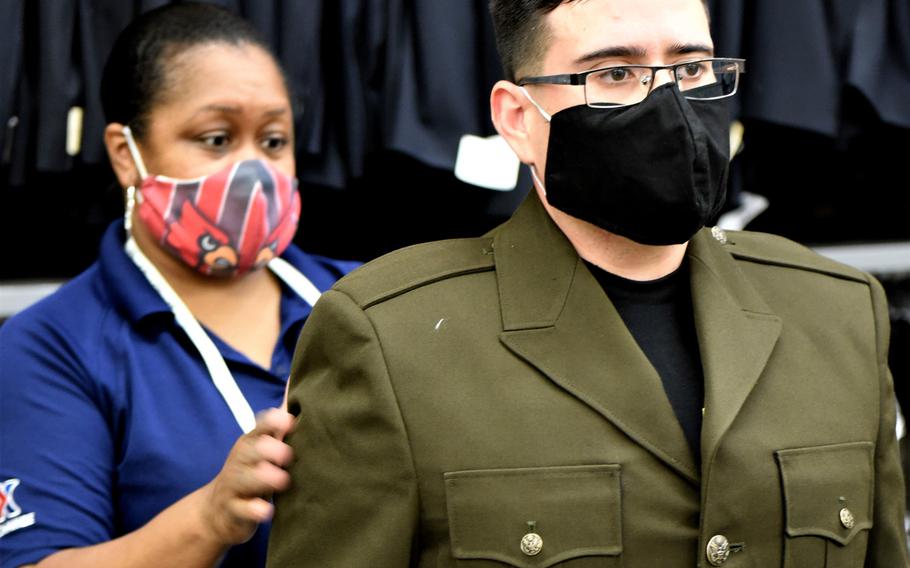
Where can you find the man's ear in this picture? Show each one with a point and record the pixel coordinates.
(513, 117)
(119, 154)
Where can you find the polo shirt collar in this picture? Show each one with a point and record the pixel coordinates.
(132, 294)
(128, 288)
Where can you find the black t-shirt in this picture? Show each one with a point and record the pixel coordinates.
(659, 315)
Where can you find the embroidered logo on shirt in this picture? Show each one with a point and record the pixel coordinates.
(11, 517)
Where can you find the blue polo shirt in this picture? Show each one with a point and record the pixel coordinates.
(108, 414)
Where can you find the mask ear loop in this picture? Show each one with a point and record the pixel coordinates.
(546, 116)
(131, 190)
(134, 152)
(534, 175)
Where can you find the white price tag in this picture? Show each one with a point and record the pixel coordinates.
(487, 162)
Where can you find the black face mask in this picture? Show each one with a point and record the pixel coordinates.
(654, 172)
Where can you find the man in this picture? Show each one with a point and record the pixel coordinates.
(599, 382)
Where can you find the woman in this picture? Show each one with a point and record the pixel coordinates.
(123, 395)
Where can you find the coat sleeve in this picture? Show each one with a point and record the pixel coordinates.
(888, 542)
(353, 499)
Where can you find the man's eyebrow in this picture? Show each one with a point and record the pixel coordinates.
(687, 48)
(614, 51)
(634, 51)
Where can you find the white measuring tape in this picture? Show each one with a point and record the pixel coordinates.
(221, 376)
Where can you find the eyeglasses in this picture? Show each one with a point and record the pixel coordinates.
(625, 85)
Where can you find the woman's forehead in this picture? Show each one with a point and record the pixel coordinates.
(243, 73)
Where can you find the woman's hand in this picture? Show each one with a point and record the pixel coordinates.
(237, 500)
(198, 529)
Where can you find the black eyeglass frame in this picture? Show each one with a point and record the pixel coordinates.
(581, 78)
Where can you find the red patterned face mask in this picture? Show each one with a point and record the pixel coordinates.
(223, 224)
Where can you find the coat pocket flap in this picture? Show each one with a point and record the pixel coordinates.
(828, 490)
(573, 511)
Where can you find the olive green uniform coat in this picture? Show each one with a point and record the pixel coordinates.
(452, 393)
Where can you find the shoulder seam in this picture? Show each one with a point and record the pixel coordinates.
(445, 275)
(796, 266)
(407, 269)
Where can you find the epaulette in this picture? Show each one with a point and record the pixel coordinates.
(773, 250)
(415, 266)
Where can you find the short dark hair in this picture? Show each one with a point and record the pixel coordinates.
(135, 75)
(521, 33)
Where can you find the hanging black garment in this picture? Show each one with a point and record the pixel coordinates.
(442, 64)
(408, 77)
(59, 83)
(343, 75)
(99, 24)
(796, 79)
(802, 56)
(67, 44)
(824, 102)
(880, 60)
(12, 16)
(298, 33)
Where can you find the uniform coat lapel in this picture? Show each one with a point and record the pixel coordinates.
(736, 334)
(557, 318)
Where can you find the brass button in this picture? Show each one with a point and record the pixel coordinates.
(531, 544)
(718, 550)
(847, 519)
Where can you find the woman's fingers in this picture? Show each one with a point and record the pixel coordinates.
(254, 510)
(273, 422)
(252, 473)
(252, 449)
(273, 450)
(258, 480)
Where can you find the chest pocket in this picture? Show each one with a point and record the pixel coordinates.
(534, 518)
(828, 502)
